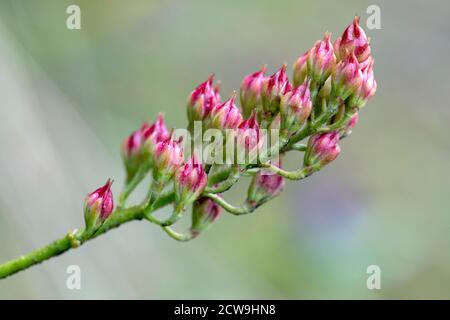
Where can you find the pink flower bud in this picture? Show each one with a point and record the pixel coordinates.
(251, 91)
(321, 59)
(204, 212)
(265, 185)
(296, 107)
(353, 121)
(152, 134)
(202, 100)
(273, 88)
(353, 40)
(226, 115)
(98, 206)
(301, 69)
(322, 149)
(367, 88)
(249, 135)
(190, 181)
(168, 157)
(347, 77)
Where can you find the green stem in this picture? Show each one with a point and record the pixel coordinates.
(292, 175)
(131, 185)
(77, 238)
(226, 184)
(178, 236)
(245, 209)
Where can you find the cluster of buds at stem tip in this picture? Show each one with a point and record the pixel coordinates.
(331, 83)
(138, 148)
(202, 100)
(250, 93)
(204, 212)
(296, 107)
(264, 186)
(322, 149)
(98, 206)
(190, 181)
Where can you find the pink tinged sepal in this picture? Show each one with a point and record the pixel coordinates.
(322, 149)
(350, 125)
(265, 186)
(167, 158)
(154, 133)
(354, 40)
(301, 69)
(250, 93)
(296, 107)
(225, 115)
(367, 88)
(249, 139)
(202, 99)
(98, 206)
(190, 181)
(204, 213)
(321, 59)
(273, 88)
(347, 77)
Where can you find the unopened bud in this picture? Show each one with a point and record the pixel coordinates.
(190, 181)
(168, 157)
(354, 40)
(249, 138)
(201, 100)
(296, 107)
(265, 186)
(225, 115)
(322, 149)
(98, 206)
(347, 77)
(367, 88)
(204, 212)
(273, 88)
(321, 59)
(301, 69)
(250, 93)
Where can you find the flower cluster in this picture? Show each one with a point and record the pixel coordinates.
(331, 82)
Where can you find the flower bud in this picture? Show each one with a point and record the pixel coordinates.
(273, 88)
(132, 151)
(367, 88)
(301, 69)
(250, 93)
(350, 125)
(204, 212)
(202, 100)
(321, 59)
(168, 157)
(152, 134)
(322, 149)
(354, 40)
(249, 138)
(296, 107)
(225, 115)
(264, 186)
(347, 77)
(98, 206)
(190, 181)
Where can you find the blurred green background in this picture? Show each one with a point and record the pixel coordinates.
(69, 97)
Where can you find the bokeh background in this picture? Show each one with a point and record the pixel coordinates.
(69, 97)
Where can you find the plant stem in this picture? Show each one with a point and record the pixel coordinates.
(237, 211)
(76, 238)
